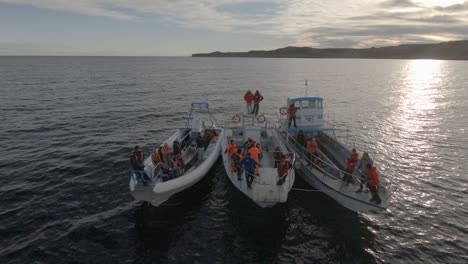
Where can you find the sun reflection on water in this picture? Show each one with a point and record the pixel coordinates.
(417, 119)
(420, 93)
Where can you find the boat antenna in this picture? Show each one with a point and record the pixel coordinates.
(306, 87)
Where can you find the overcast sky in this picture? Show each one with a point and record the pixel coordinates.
(183, 27)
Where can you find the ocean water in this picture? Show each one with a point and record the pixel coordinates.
(68, 125)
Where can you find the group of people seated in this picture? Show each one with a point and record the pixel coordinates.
(169, 161)
(247, 158)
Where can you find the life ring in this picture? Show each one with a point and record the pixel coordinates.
(261, 119)
(283, 110)
(236, 119)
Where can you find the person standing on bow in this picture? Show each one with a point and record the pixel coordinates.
(283, 169)
(351, 164)
(256, 100)
(292, 115)
(373, 182)
(249, 97)
(363, 170)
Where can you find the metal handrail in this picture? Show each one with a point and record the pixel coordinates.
(382, 175)
(333, 166)
(388, 186)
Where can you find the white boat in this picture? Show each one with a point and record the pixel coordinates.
(151, 186)
(327, 172)
(268, 188)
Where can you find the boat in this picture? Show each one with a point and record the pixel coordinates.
(156, 183)
(268, 188)
(327, 169)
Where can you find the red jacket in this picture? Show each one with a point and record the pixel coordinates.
(373, 176)
(257, 98)
(292, 111)
(248, 97)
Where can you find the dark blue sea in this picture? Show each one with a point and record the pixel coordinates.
(68, 126)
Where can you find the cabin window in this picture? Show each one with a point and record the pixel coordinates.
(312, 104)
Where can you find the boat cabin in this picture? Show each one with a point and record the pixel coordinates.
(309, 111)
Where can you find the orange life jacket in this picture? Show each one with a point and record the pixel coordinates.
(283, 167)
(354, 157)
(248, 97)
(292, 111)
(166, 150)
(231, 149)
(156, 157)
(351, 165)
(373, 176)
(311, 146)
(254, 152)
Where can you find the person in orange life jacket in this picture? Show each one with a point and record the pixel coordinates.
(292, 115)
(212, 137)
(157, 156)
(237, 157)
(256, 100)
(311, 148)
(231, 148)
(373, 183)
(362, 166)
(137, 163)
(351, 164)
(254, 154)
(176, 149)
(283, 169)
(249, 97)
(166, 151)
(249, 165)
(277, 156)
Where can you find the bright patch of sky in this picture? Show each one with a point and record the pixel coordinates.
(183, 27)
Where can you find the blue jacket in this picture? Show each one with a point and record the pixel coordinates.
(248, 164)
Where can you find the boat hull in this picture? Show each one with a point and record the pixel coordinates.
(264, 191)
(158, 193)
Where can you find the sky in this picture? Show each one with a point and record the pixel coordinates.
(183, 27)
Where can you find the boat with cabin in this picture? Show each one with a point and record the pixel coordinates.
(272, 185)
(166, 174)
(325, 169)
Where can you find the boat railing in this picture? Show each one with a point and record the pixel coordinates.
(387, 180)
(239, 120)
(335, 172)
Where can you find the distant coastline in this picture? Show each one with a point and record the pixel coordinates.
(452, 50)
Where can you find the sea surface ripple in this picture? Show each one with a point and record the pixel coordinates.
(68, 124)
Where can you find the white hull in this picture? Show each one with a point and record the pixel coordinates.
(160, 192)
(264, 190)
(343, 194)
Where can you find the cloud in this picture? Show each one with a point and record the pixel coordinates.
(333, 23)
(397, 4)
